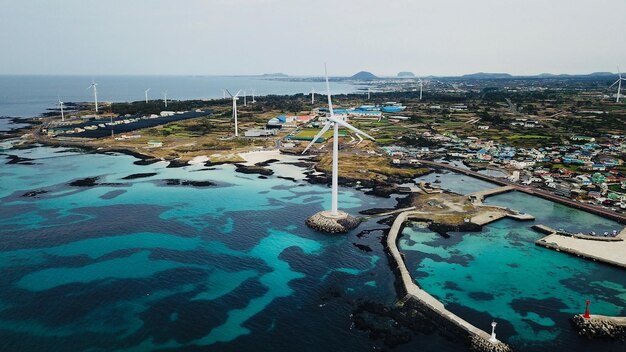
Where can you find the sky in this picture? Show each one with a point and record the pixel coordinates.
(296, 37)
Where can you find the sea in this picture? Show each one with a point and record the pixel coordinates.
(99, 252)
(31, 95)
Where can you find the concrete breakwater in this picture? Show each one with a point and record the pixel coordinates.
(609, 250)
(600, 326)
(448, 322)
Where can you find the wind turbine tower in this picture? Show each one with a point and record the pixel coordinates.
(312, 96)
(235, 98)
(61, 106)
(146, 93)
(94, 86)
(369, 91)
(253, 101)
(165, 98)
(619, 84)
(333, 220)
(421, 86)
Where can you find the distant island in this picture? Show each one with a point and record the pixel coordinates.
(278, 74)
(364, 76)
(483, 75)
(405, 74)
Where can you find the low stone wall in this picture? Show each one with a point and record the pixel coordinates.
(600, 326)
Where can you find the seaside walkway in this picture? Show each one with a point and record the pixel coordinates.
(414, 291)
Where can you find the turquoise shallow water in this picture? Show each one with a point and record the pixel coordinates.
(500, 274)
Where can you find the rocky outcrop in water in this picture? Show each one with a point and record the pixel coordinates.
(254, 169)
(342, 223)
(600, 327)
(478, 344)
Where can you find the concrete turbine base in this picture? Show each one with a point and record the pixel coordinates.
(325, 221)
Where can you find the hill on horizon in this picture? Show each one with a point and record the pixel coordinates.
(364, 76)
(406, 74)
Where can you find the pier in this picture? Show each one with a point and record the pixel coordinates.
(478, 338)
(609, 250)
(481, 195)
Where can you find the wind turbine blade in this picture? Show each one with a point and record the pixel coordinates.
(236, 95)
(317, 136)
(611, 86)
(227, 91)
(619, 73)
(350, 127)
(330, 102)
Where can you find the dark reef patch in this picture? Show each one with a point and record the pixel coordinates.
(481, 296)
(112, 194)
(139, 175)
(34, 193)
(14, 159)
(178, 182)
(85, 182)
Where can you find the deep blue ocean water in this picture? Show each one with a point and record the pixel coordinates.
(27, 96)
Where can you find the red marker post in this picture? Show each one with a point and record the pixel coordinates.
(586, 315)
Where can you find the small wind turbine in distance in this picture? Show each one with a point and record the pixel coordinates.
(333, 220)
(312, 96)
(245, 100)
(94, 85)
(421, 86)
(235, 98)
(61, 106)
(619, 84)
(253, 91)
(165, 98)
(146, 92)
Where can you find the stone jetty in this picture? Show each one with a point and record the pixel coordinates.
(478, 340)
(600, 326)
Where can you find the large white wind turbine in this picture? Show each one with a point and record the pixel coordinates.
(165, 98)
(619, 83)
(334, 122)
(146, 93)
(61, 106)
(421, 86)
(94, 85)
(235, 98)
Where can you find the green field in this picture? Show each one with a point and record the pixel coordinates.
(308, 134)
